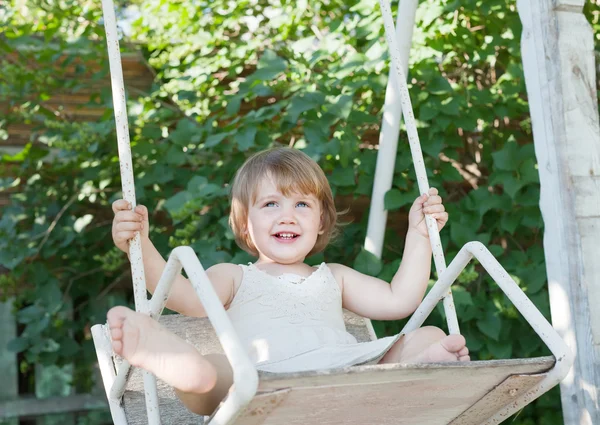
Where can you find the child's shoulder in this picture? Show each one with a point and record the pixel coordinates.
(338, 271)
(225, 271)
(336, 267)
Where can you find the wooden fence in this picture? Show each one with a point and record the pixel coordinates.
(52, 390)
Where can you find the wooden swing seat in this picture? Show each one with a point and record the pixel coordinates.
(416, 394)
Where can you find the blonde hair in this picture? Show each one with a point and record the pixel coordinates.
(294, 172)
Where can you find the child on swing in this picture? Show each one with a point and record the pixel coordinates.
(287, 314)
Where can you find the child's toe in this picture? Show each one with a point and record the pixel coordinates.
(453, 343)
(116, 333)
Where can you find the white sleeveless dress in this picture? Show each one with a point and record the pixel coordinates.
(289, 323)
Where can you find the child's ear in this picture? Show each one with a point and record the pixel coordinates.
(321, 230)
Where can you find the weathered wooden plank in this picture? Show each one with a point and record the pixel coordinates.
(505, 393)
(262, 406)
(497, 370)
(558, 61)
(32, 406)
(339, 396)
(400, 394)
(134, 64)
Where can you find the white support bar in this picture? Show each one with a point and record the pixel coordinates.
(388, 140)
(135, 246)
(120, 107)
(390, 130)
(562, 354)
(245, 376)
(107, 369)
(417, 156)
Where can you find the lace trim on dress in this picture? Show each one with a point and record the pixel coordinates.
(298, 303)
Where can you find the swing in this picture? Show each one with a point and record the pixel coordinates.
(476, 392)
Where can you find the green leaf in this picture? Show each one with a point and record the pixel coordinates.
(395, 199)
(18, 345)
(196, 183)
(269, 66)
(512, 185)
(245, 138)
(510, 221)
(342, 107)
(500, 350)
(175, 156)
(528, 172)
(462, 233)
(314, 132)
(428, 111)
(233, 105)
(367, 263)
(302, 103)
(451, 106)
(491, 325)
(342, 177)
(30, 314)
(185, 133)
(461, 297)
(439, 85)
(215, 139)
(175, 203)
(365, 185)
(506, 158)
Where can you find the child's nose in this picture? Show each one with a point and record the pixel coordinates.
(287, 216)
(287, 220)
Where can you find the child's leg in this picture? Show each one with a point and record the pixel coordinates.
(205, 404)
(200, 381)
(427, 345)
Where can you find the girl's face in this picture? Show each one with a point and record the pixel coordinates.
(284, 229)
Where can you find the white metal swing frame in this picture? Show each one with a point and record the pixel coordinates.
(246, 380)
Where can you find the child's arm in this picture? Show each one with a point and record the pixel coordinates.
(376, 299)
(183, 298)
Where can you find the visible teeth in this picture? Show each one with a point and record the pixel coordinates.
(286, 235)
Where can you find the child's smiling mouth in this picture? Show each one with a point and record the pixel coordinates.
(286, 236)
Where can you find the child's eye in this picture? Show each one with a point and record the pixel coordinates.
(270, 204)
(302, 204)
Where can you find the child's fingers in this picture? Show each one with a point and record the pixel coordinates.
(125, 216)
(433, 200)
(127, 226)
(441, 218)
(120, 205)
(432, 209)
(124, 236)
(143, 211)
(433, 191)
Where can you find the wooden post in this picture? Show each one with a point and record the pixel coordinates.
(8, 359)
(558, 60)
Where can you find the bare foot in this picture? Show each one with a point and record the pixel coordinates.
(146, 344)
(451, 348)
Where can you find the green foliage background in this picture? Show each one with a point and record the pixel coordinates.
(236, 77)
